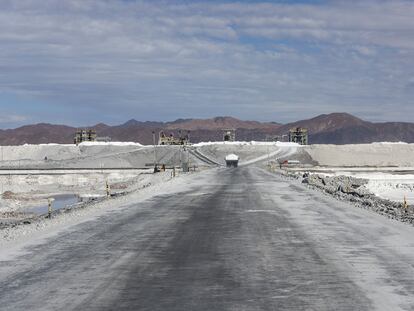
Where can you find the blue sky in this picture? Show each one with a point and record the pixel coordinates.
(82, 62)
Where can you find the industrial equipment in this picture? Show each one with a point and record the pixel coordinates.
(229, 135)
(84, 135)
(171, 140)
(299, 135)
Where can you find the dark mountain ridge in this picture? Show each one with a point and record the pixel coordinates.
(334, 128)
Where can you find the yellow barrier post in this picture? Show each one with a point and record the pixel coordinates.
(49, 208)
(108, 189)
(405, 204)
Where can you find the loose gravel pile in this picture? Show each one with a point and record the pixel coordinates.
(354, 190)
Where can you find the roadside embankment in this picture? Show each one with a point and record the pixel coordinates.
(142, 189)
(363, 155)
(248, 152)
(354, 190)
(16, 222)
(92, 156)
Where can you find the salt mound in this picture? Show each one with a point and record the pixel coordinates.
(376, 154)
(111, 143)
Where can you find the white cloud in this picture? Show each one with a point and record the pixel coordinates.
(197, 60)
(11, 118)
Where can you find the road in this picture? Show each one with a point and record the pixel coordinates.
(233, 239)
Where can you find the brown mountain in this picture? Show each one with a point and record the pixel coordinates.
(335, 128)
(219, 123)
(325, 123)
(37, 134)
(343, 128)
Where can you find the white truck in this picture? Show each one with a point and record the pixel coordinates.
(232, 160)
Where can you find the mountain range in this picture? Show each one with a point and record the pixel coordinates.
(334, 128)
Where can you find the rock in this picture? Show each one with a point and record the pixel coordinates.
(353, 190)
(8, 195)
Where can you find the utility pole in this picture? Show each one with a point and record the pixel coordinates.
(49, 208)
(2, 160)
(268, 158)
(181, 147)
(155, 153)
(268, 155)
(186, 162)
(188, 159)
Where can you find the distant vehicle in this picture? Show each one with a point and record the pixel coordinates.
(293, 162)
(232, 160)
(288, 163)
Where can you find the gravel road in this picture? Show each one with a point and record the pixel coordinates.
(232, 239)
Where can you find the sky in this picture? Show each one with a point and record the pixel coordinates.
(81, 62)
